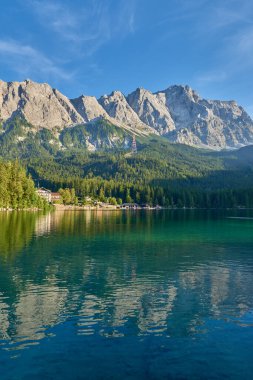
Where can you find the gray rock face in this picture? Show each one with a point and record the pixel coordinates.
(89, 108)
(177, 113)
(118, 108)
(152, 110)
(38, 103)
(207, 123)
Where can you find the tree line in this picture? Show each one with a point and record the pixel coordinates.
(118, 192)
(17, 189)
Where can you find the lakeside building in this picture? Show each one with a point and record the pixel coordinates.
(48, 195)
(55, 197)
(45, 193)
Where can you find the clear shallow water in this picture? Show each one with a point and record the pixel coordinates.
(134, 295)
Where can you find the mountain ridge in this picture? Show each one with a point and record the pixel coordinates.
(178, 113)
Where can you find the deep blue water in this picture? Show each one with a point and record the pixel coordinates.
(126, 295)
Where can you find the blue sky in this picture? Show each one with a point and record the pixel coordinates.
(96, 46)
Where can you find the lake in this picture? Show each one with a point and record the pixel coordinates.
(126, 295)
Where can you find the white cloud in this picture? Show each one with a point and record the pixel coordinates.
(223, 15)
(88, 27)
(183, 10)
(26, 60)
(232, 27)
(77, 33)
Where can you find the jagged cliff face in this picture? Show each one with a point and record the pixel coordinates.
(117, 107)
(38, 103)
(177, 113)
(89, 108)
(209, 123)
(152, 110)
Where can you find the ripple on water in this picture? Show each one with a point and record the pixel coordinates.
(159, 298)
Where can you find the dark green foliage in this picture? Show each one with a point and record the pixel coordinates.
(160, 173)
(76, 136)
(16, 189)
(68, 196)
(102, 133)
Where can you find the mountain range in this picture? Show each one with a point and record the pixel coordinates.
(178, 114)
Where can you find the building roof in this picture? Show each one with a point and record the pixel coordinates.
(44, 189)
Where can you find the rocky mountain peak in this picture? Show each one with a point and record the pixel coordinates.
(115, 96)
(208, 123)
(118, 108)
(182, 92)
(117, 93)
(151, 110)
(177, 112)
(38, 103)
(89, 108)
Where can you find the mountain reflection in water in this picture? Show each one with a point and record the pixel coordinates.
(161, 275)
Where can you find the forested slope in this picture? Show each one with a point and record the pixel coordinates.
(159, 173)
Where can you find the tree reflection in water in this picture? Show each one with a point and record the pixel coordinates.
(120, 273)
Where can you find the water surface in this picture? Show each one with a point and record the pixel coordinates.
(126, 295)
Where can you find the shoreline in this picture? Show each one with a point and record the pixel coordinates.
(57, 207)
(9, 209)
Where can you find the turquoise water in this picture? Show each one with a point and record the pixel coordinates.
(126, 295)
